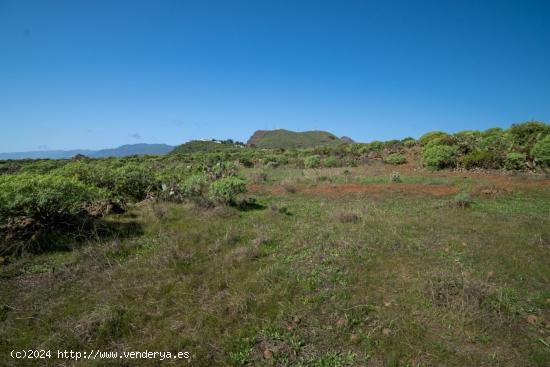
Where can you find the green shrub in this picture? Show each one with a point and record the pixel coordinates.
(246, 162)
(100, 175)
(515, 161)
(481, 159)
(331, 162)
(312, 161)
(541, 152)
(225, 190)
(449, 140)
(273, 161)
(439, 156)
(42, 166)
(525, 135)
(395, 158)
(493, 131)
(462, 200)
(426, 138)
(498, 143)
(374, 146)
(409, 143)
(219, 169)
(393, 144)
(135, 182)
(132, 181)
(44, 198)
(467, 141)
(8, 168)
(194, 187)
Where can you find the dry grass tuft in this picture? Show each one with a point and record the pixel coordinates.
(347, 217)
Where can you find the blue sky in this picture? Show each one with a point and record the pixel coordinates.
(95, 74)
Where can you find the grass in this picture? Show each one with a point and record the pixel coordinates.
(397, 278)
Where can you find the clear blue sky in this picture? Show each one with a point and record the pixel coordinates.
(95, 74)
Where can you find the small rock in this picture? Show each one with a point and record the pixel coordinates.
(532, 319)
(268, 354)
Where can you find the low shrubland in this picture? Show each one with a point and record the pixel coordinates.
(321, 276)
(34, 206)
(321, 263)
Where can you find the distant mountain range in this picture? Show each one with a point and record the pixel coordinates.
(273, 139)
(122, 151)
(266, 139)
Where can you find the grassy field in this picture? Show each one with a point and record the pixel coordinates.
(329, 267)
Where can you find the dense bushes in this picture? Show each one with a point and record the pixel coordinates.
(467, 141)
(515, 148)
(526, 135)
(130, 181)
(37, 211)
(439, 156)
(219, 170)
(312, 161)
(99, 175)
(33, 207)
(202, 190)
(44, 198)
(246, 162)
(225, 190)
(135, 182)
(481, 159)
(426, 138)
(541, 152)
(195, 186)
(515, 161)
(273, 161)
(331, 162)
(395, 158)
(498, 142)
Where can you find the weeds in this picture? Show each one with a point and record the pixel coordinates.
(395, 177)
(462, 200)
